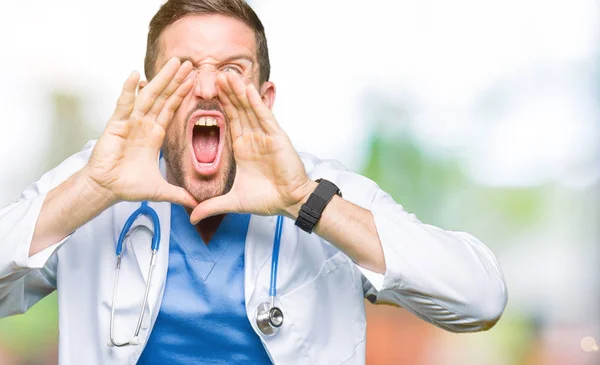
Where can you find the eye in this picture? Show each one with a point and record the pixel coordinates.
(231, 68)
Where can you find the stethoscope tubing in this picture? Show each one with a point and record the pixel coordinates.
(144, 209)
(147, 211)
(275, 257)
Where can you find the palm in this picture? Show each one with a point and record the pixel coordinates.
(269, 175)
(127, 152)
(261, 184)
(124, 161)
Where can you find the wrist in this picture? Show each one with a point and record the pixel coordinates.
(96, 192)
(302, 195)
(67, 207)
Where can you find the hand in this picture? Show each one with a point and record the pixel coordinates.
(124, 163)
(270, 177)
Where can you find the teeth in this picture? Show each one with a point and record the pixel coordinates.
(206, 122)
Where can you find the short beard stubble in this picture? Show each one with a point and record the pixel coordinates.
(174, 150)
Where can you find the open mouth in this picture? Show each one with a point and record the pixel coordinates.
(206, 143)
(205, 139)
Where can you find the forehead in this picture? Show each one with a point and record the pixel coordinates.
(201, 36)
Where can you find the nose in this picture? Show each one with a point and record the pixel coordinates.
(205, 86)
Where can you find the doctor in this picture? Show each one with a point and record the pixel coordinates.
(226, 172)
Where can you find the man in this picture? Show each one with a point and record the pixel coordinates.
(225, 170)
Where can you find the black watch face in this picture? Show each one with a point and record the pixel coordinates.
(338, 193)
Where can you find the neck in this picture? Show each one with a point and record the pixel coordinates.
(207, 227)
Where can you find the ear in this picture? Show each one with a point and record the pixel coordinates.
(267, 93)
(142, 85)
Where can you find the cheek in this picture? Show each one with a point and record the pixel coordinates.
(176, 130)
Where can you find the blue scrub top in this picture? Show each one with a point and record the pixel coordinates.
(202, 319)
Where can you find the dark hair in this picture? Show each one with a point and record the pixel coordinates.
(174, 10)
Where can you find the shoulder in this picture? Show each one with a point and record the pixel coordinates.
(312, 163)
(355, 188)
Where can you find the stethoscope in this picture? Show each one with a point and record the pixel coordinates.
(269, 317)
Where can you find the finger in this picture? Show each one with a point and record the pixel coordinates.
(142, 85)
(265, 115)
(230, 109)
(175, 194)
(235, 127)
(166, 114)
(235, 108)
(126, 100)
(150, 93)
(214, 206)
(181, 75)
(239, 89)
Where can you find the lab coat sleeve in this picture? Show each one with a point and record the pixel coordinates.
(447, 278)
(25, 280)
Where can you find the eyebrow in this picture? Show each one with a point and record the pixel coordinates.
(228, 59)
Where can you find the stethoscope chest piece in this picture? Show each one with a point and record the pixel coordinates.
(268, 318)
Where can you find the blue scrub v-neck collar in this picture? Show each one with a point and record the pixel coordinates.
(232, 226)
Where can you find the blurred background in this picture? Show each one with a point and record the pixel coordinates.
(479, 116)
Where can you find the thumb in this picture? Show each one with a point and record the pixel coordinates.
(175, 194)
(214, 206)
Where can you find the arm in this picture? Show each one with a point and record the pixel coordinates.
(447, 278)
(66, 208)
(25, 279)
(349, 227)
(129, 146)
(87, 183)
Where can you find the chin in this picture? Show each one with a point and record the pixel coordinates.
(199, 156)
(204, 187)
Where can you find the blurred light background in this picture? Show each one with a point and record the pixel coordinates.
(480, 116)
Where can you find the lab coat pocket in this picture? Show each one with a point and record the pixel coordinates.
(328, 312)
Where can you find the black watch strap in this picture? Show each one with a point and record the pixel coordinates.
(311, 211)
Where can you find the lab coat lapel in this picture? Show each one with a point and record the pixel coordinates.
(134, 276)
(140, 248)
(159, 276)
(286, 347)
(123, 211)
(257, 255)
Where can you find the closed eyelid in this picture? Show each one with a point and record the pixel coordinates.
(219, 69)
(245, 65)
(238, 59)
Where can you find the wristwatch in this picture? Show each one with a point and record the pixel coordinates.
(311, 211)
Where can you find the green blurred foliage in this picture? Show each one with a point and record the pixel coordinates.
(437, 189)
(39, 325)
(416, 180)
(70, 131)
(38, 328)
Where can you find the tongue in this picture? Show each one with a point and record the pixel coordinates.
(205, 142)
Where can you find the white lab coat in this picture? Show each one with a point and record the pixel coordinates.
(447, 278)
